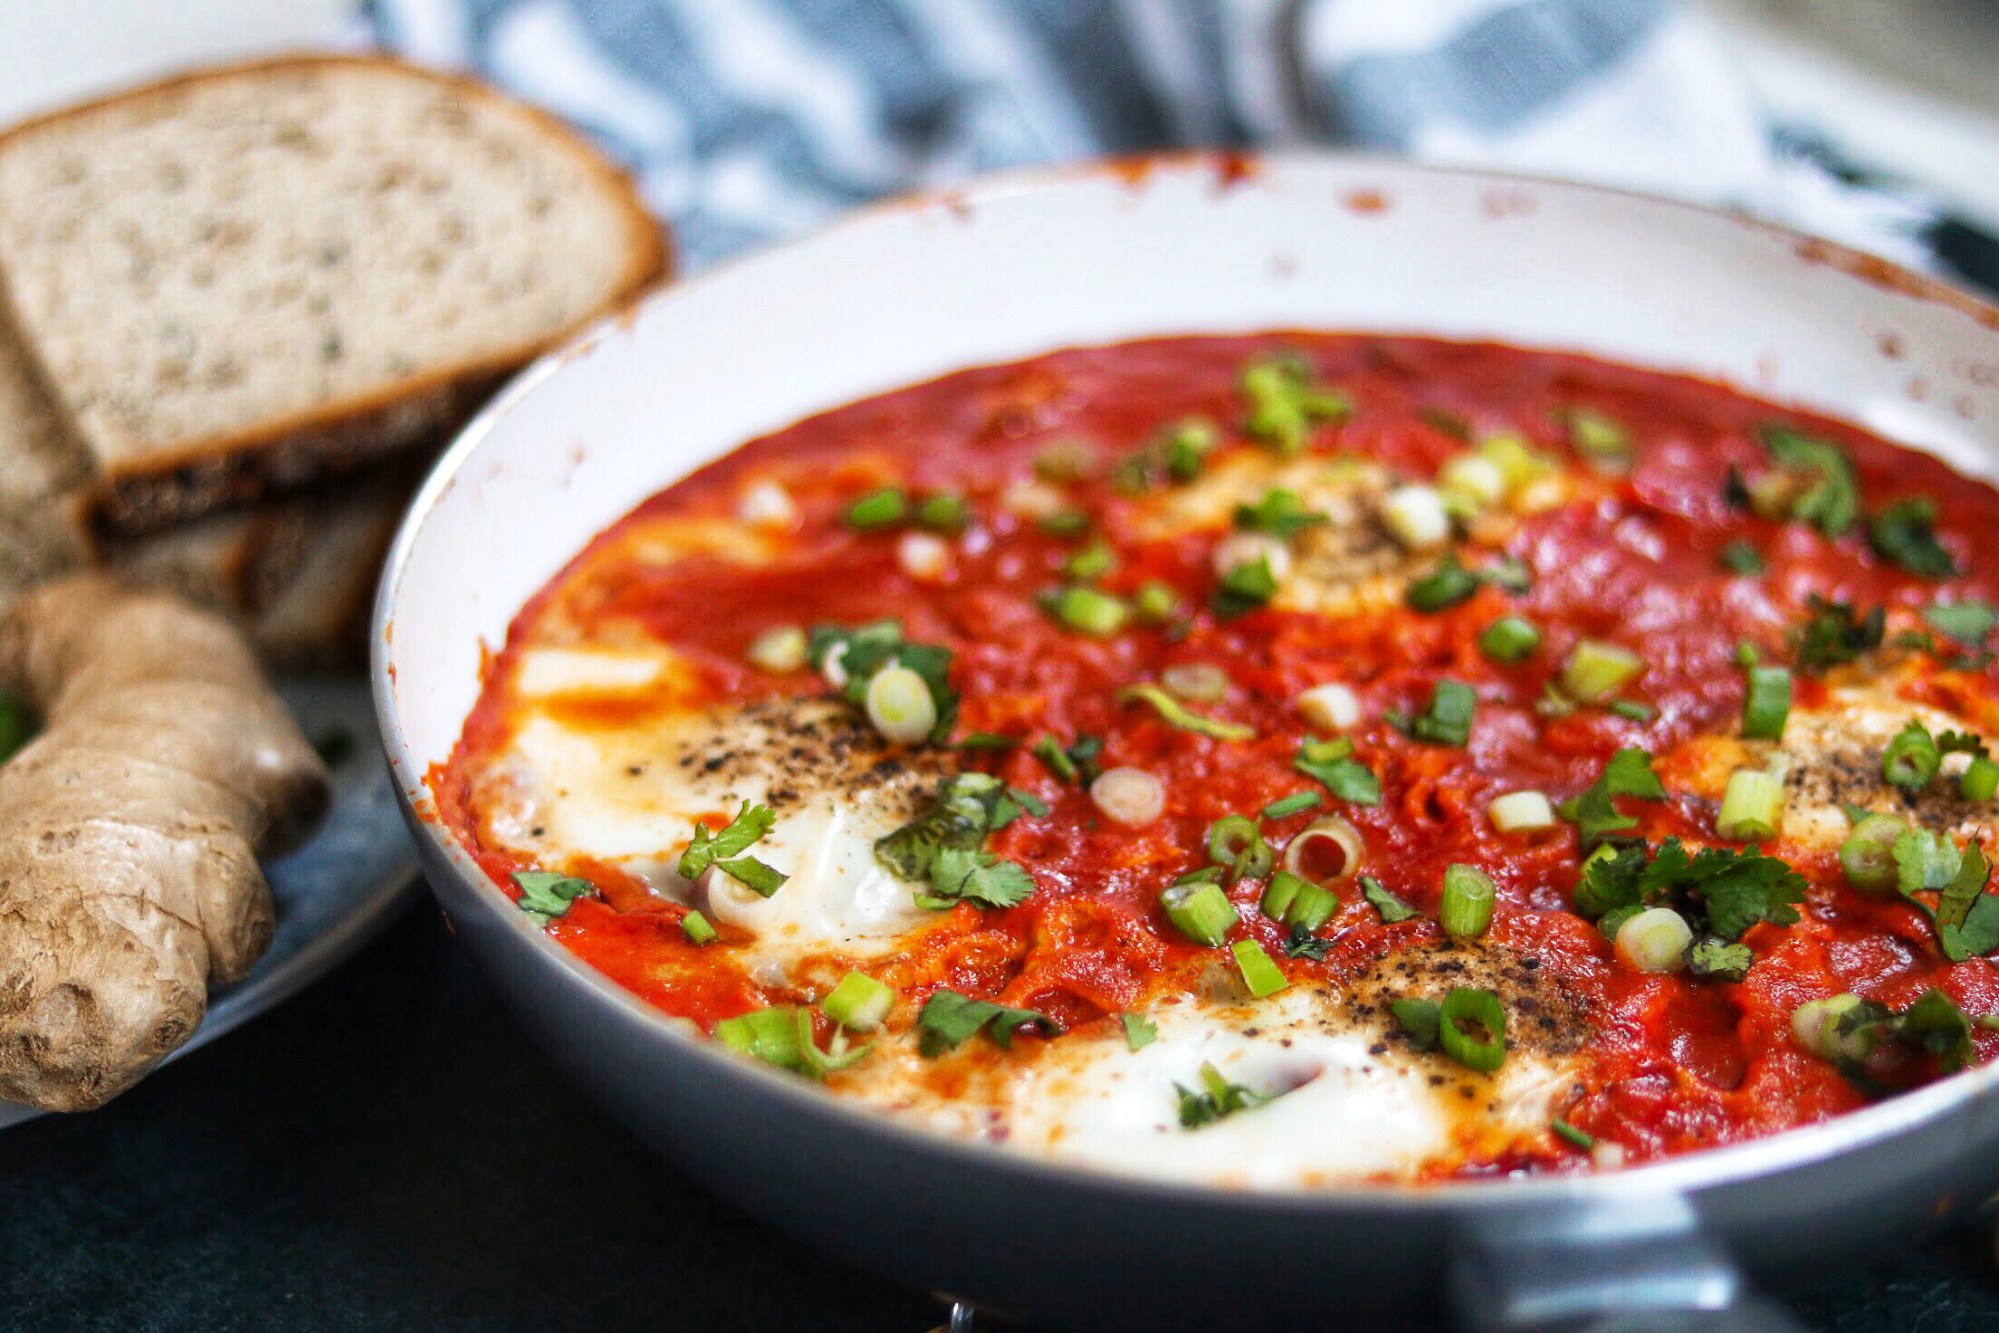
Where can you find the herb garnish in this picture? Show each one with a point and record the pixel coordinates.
(1445, 721)
(1177, 714)
(1217, 1099)
(1834, 634)
(1966, 622)
(1739, 557)
(1075, 764)
(1244, 588)
(1283, 404)
(948, 1019)
(1592, 811)
(546, 895)
(943, 846)
(1817, 485)
(1332, 763)
(1905, 533)
(1279, 513)
(1933, 1024)
(1391, 908)
(1720, 891)
(863, 650)
(724, 850)
(1139, 1031)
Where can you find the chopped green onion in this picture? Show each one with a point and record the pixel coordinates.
(1065, 523)
(1596, 670)
(1740, 557)
(900, 706)
(1509, 639)
(1569, 1134)
(1065, 460)
(1294, 804)
(1201, 682)
(778, 650)
(1420, 1019)
(859, 1002)
(1155, 603)
(1283, 403)
(1868, 854)
(1655, 940)
(1766, 703)
(1911, 758)
(1447, 721)
(695, 926)
(878, 510)
(1752, 806)
(1300, 858)
(1473, 1028)
(1092, 562)
(1632, 709)
(1234, 842)
(1332, 763)
(1279, 513)
(1200, 911)
(1087, 611)
(1470, 482)
(1186, 444)
(771, 1035)
(1599, 438)
(1245, 587)
(1816, 1026)
(1297, 902)
(1415, 516)
(1466, 909)
(944, 512)
(1259, 973)
(1521, 812)
(1176, 714)
(1981, 781)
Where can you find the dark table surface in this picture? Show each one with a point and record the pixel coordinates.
(387, 1152)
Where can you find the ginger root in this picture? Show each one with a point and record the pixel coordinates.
(129, 832)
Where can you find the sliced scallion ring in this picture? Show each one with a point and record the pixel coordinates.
(1473, 1029)
(1200, 911)
(1466, 909)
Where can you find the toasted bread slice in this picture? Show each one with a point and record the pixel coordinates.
(253, 277)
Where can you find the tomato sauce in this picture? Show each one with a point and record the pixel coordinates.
(1673, 1063)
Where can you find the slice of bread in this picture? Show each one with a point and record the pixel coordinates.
(41, 470)
(250, 278)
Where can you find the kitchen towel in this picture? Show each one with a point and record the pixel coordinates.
(746, 120)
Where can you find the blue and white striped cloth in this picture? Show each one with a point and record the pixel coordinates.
(746, 120)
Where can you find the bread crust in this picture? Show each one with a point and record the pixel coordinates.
(172, 486)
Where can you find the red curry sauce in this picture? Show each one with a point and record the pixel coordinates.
(1675, 1063)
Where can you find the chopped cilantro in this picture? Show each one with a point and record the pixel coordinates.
(1443, 587)
(546, 895)
(1279, 513)
(1728, 890)
(1216, 1099)
(949, 1019)
(1592, 811)
(943, 846)
(1076, 764)
(1302, 943)
(1834, 634)
(1905, 533)
(1820, 487)
(724, 850)
(1719, 959)
(1447, 719)
(1244, 588)
(1933, 1024)
(1139, 1031)
(1966, 622)
(1739, 557)
(1332, 763)
(1392, 908)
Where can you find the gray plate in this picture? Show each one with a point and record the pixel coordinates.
(334, 893)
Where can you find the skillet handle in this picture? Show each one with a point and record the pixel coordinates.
(1635, 1266)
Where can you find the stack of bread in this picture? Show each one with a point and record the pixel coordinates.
(238, 309)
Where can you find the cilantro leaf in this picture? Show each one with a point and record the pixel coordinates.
(1075, 764)
(1443, 587)
(1244, 588)
(1967, 917)
(1966, 622)
(1421, 1020)
(1904, 532)
(1822, 490)
(958, 873)
(1729, 890)
(1834, 634)
(948, 1019)
(1924, 860)
(1217, 1099)
(1593, 812)
(738, 836)
(1331, 762)
(546, 894)
(1933, 1024)
(1711, 957)
(1011, 804)
(1279, 513)
(1139, 1031)
(1392, 908)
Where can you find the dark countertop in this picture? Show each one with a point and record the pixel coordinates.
(386, 1152)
